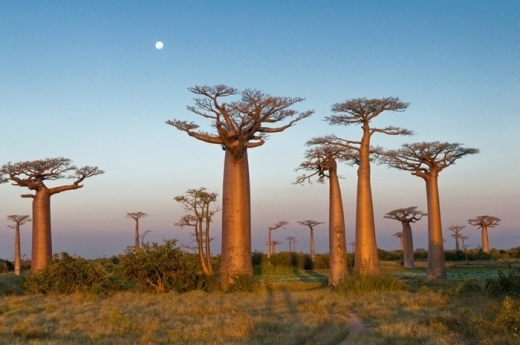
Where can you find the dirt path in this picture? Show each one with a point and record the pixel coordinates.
(355, 326)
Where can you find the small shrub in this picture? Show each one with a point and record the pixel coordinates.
(509, 315)
(68, 274)
(243, 283)
(165, 267)
(3, 267)
(505, 284)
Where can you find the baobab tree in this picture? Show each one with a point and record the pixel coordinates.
(18, 220)
(399, 235)
(361, 111)
(273, 246)
(484, 222)
(456, 229)
(143, 235)
(276, 226)
(463, 239)
(238, 126)
(353, 247)
(197, 204)
(33, 175)
(292, 243)
(426, 160)
(406, 216)
(321, 162)
(311, 224)
(136, 216)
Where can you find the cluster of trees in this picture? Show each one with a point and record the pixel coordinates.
(242, 123)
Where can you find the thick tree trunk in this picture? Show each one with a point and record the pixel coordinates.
(436, 265)
(236, 220)
(17, 252)
(407, 241)
(337, 239)
(366, 259)
(268, 243)
(485, 239)
(41, 256)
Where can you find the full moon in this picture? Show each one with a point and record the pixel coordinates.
(159, 45)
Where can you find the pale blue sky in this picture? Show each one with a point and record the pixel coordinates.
(83, 80)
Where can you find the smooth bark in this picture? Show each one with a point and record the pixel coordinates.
(236, 219)
(407, 241)
(436, 265)
(41, 255)
(337, 238)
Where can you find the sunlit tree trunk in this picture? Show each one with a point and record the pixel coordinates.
(485, 239)
(41, 230)
(407, 243)
(337, 239)
(436, 265)
(236, 220)
(207, 244)
(17, 252)
(366, 259)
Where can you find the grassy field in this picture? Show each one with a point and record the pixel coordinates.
(288, 308)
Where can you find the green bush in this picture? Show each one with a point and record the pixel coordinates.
(3, 267)
(165, 267)
(243, 283)
(68, 274)
(505, 284)
(509, 315)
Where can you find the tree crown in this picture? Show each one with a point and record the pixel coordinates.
(310, 223)
(487, 221)
(407, 215)
(136, 215)
(18, 219)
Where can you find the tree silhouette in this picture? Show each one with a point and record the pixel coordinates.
(311, 224)
(463, 239)
(353, 247)
(136, 216)
(32, 175)
(292, 243)
(238, 126)
(197, 202)
(278, 225)
(426, 160)
(320, 161)
(484, 222)
(399, 235)
(143, 235)
(273, 246)
(456, 229)
(18, 220)
(361, 111)
(406, 216)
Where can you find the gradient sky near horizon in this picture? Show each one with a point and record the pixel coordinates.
(83, 80)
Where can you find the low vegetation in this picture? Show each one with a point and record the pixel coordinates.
(110, 301)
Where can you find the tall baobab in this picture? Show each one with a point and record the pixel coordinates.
(426, 160)
(18, 220)
(197, 202)
(484, 222)
(278, 225)
(311, 224)
(456, 229)
(136, 216)
(463, 239)
(361, 111)
(320, 160)
(292, 243)
(399, 235)
(406, 216)
(32, 175)
(238, 126)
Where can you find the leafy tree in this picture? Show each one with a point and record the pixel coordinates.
(321, 161)
(197, 202)
(426, 160)
(239, 125)
(32, 175)
(361, 111)
(484, 222)
(406, 216)
(456, 229)
(18, 221)
(270, 246)
(165, 267)
(136, 216)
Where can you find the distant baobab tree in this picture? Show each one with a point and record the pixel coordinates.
(143, 235)
(32, 174)
(406, 216)
(353, 247)
(273, 246)
(426, 160)
(136, 216)
(456, 229)
(321, 161)
(278, 225)
(292, 243)
(361, 111)
(18, 220)
(399, 235)
(463, 239)
(238, 126)
(311, 224)
(484, 222)
(197, 203)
